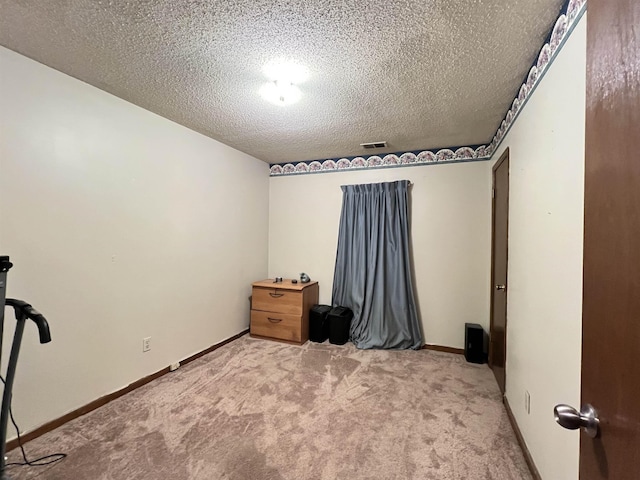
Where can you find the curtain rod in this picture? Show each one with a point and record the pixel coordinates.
(410, 183)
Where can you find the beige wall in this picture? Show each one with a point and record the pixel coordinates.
(121, 225)
(544, 313)
(450, 237)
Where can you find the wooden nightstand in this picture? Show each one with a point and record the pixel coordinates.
(280, 311)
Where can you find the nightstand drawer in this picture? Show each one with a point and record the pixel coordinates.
(276, 325)
(277, 300)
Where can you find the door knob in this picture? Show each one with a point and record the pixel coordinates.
(587, 418)
(501, 287)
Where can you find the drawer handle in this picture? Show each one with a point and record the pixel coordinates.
(276, 295)
(274, 320)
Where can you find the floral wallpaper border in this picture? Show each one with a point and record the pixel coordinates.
(561, 31)
(563, 27)
(387, 160)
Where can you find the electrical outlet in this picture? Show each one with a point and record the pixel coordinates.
(146, 344)
(174, 366)
(527, 402)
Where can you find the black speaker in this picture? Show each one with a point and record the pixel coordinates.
(318, 323)
(339, 325)
(474, 343)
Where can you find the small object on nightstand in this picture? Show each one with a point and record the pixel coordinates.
(304, 278)
(278, 280)
(294, 281)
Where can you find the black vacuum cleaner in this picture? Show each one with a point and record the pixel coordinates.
(23, 311)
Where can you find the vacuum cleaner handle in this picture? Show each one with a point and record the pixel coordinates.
(22, 308)
(41, 322)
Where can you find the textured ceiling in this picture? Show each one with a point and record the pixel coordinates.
(417, 73)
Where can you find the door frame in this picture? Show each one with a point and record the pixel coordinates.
(504, 157)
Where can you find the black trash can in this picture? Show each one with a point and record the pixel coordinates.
(318, 323)
(339, 325)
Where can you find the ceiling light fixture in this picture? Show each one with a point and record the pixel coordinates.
(286, 70)
(282, 90)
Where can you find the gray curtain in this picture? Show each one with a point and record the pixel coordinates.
(373, 271)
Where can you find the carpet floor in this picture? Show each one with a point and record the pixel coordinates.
(256, 409)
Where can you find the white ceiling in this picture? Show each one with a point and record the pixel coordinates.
(420, 74)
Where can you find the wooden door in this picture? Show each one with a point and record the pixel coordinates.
(611, 302)
(500, 227)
